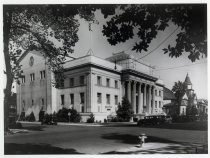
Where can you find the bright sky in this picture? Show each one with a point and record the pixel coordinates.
(97, 42)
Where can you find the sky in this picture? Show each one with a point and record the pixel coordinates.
(168, 69)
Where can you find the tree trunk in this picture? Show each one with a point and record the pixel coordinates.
(7, 92)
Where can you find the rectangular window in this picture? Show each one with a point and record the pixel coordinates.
(32, 102)
(83, 109)
(42, 101)
(108, 98)
(82, 98)
(116, 84)
(160, 93)
(155, 104)
(23, 79)
(155, 92)
(72, 98)
(99, 98)
(159, 104)
(82, 80)
(42, 74)
(62, 100)
(32, 77)
(71, 82)
(99, 109)
(98, 80)
(116, 99)
(108, 82)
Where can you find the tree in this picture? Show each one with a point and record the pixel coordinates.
(145, 21)
(179, 90)
(125, 111)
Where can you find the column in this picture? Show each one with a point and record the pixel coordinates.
(153, 100)
(129, 91)
(145, 94)
(134, 97)
(149, 105)
(123, 88)
(139, 100)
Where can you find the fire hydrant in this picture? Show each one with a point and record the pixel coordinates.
(142, 138)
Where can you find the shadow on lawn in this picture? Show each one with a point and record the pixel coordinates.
(172, 148)
(33, 149)
(133, 139)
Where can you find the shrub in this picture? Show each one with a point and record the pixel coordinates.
(41, 115)
(91, 119)
(22, 116)
(62, 115)
(75, 116)
(125, 111)
(31, 117)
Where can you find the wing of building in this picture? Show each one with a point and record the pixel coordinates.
(91, 85)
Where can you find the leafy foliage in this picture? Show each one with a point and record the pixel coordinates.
(179, 90)
(124, 112)
(62, 115)
(191, 111)
(30, 118)
(91, 119)
(22, 116)
(41, 115)
(146, 21)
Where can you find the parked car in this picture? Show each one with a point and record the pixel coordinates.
(154, 120)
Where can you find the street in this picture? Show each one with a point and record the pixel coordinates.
(101, 140)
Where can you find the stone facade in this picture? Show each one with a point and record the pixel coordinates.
(91, 85)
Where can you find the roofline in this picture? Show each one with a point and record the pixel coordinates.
(93, 65)
(140, 74)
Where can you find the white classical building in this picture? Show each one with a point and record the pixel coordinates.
(91, 85)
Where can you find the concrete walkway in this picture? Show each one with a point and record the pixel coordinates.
(162, 148)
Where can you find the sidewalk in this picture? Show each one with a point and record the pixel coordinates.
(83, 124)
(163, 148)
(64, 123)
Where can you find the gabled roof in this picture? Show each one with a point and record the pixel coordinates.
(185, 97)
(168, 94)
(187, 80)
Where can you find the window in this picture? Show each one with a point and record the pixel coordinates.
(82, 80)
(99, 109)
(108, 98)
(116, 84)
(116, 99)
(155, 104)
(83, 109)
(23, 104)
(108, 82)
(159, 104)
(98, 80)
(72, 98)
(155, 92)
(160, 93)
(42, 74)
(32, 77)
(23, 79)
(42, 101)
(82, 98)
(99, 98)
(32, 102)
(62, 100)
(71, 82)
